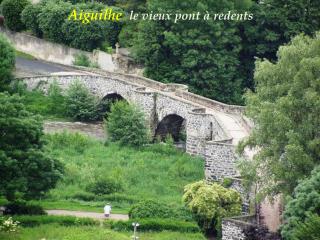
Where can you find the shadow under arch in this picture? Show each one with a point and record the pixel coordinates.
(104, 107)
(173, 125)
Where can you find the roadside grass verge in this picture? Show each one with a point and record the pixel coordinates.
(56, 231)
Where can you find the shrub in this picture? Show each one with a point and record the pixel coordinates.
(81, 104)
(8, 225)
(156, 225)
(7, 62)
(126, 125)
(23, 208)
(11, 10)
(84, 196)
(32, 221)
(57, 102)
(151, 209)
(29, 17)
(210, 203)
(105, 186)
(309, 229)
(81, 60)
(305, 201)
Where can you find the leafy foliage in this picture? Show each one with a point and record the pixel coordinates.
(7, 62)
(126, 125)
(23, 208)
(156, 224)
(11, 10)
(285, 110)
(51, 18)
(80, 103)
(155, 209)
(210, 203)
(274, 24)
(26, 170)
(202, 54)
(81, 60)
(29, 17)
(309, 229)
(305, 201)
(105, 185)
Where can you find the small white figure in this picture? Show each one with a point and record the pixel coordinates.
(107, 210)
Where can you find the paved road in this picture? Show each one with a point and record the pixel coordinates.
(26, 67)
(93, 215)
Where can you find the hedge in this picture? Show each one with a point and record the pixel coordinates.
(33, 221)
(156, 225)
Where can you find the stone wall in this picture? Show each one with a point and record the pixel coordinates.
(220, 160)
(53, 52)
(232, 228)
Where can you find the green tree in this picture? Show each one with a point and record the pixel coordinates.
(126, 124)
(11, 10)
(275, 22)
(305, 202)
(51, 19)
(29, 17)
(210, 203)
(7, 62)
(81, 104)
(285, 110)
(202, 54)
(26, 171)
(309, 229)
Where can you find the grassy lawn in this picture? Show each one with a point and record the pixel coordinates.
(57, 232)
(155, 172)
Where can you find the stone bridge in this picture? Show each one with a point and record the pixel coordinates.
(212, 128)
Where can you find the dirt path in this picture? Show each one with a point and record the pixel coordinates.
(93, 215)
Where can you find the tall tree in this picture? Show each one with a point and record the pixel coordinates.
(26, 171)
(275, 22)
(285, 110)
(7, 62)
(202, 54)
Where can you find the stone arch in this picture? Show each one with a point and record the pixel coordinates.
(106, 102)
(173, 125)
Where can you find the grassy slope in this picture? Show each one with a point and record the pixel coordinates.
(155, 172)
(56, 232)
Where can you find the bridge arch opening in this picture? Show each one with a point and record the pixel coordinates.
(172, 125)
(104, 107)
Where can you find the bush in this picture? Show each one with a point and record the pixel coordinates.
(29, 17)
(105, 186)
(126, 125)
(7, 62)
(33, 221)
(57, 101)
(81, 104)
(81, 60)
(11, 10)
(84, 196)
(156, 225)
(151, 209)
(210, 203)
(23, 208)
(309, 229)
(8, 225)
(305, 201)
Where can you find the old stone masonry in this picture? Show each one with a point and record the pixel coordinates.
(212, 128)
